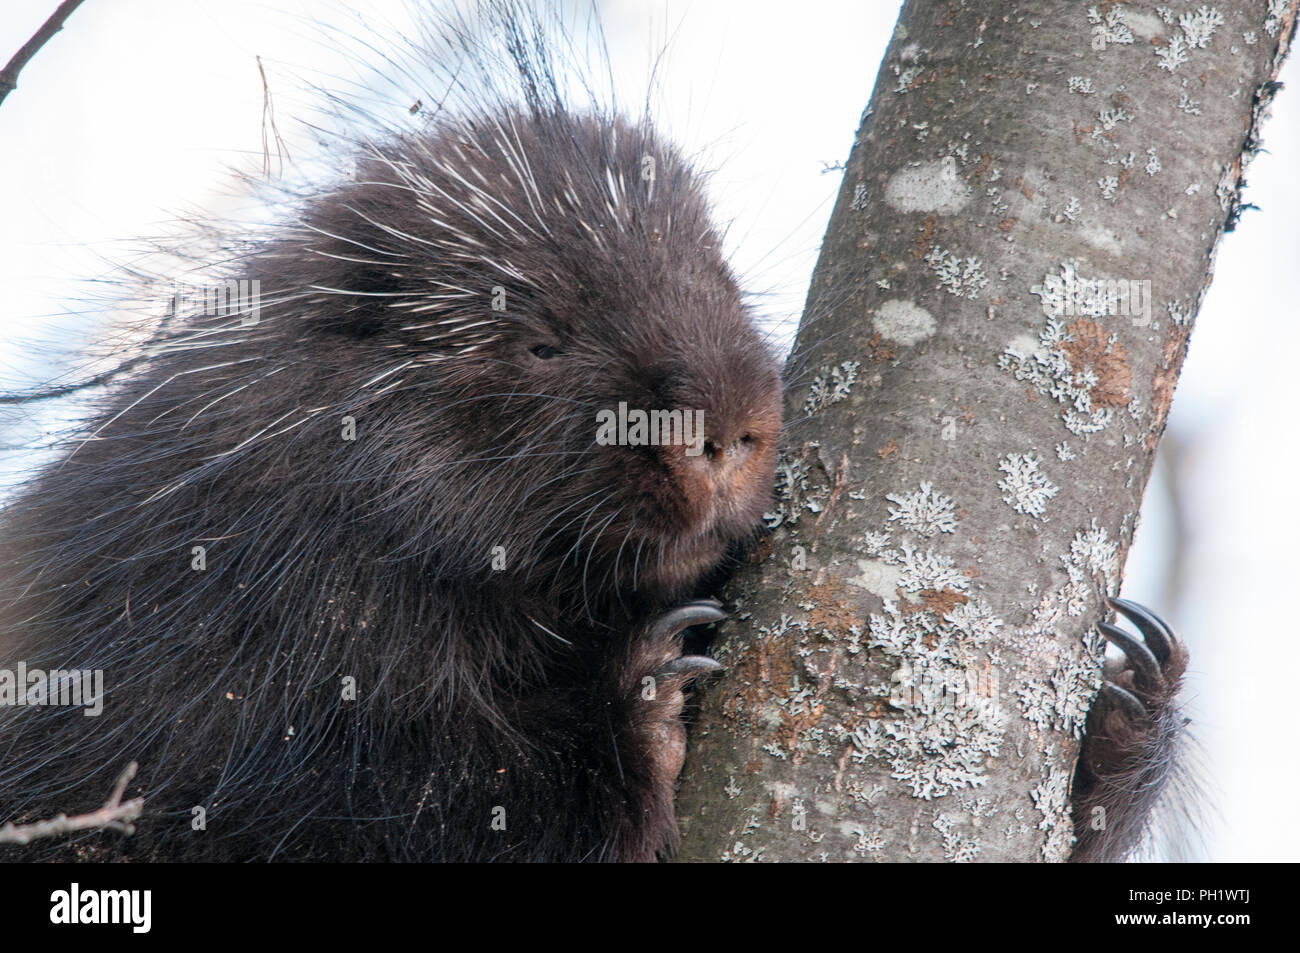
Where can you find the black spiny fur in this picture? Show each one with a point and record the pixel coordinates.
(482, 695)
(1132, 753)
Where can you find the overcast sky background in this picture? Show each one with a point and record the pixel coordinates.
(134, 114)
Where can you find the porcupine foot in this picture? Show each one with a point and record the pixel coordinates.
(1134, 731)
(656, 684)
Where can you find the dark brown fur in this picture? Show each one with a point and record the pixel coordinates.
(1132, 753)
(522, 689)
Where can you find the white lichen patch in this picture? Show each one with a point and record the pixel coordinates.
(906, 77)
(740, 854)
(1276, 15)
(1052, 798)
(958, 848)
(831, 385)
(1110, 27)
(1024, 488)
(1062, 700)
(1108, 119)
(957, 276)
(868, 844)
(1199, 26)
(1069, 292)
(792, 493)
(1173, 54)
(1153, 162)
(928, 187)
(1226, 189)
(938, 634)
(903, 322)
(1081, 85)
(1077, 364)
(1091, 564)
(923, 511)
(1196, 29)
(875, 543)
(909, 74)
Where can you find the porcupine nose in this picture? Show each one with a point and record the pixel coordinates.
(725, 467)
(726, 457)
(722, 463)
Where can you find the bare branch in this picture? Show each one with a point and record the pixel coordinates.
(114, 816)
(9, 75)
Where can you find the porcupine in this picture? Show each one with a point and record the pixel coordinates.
(506, 595)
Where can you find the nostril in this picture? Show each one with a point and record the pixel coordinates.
(728, 454)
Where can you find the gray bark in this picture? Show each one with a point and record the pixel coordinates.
(973, 427)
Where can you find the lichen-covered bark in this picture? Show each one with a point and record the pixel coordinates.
(1027, 224)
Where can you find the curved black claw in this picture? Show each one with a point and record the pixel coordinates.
(698, 612)
(1116, 697)
(1135, 729)
(692, 666)
(1159, 636)
(1145, 665)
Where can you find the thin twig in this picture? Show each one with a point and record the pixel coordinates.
(113, 816)
(9, 75)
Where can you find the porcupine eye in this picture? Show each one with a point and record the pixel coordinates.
(545, 351)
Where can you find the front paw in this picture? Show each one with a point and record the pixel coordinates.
(665, 676)
(1134, 731)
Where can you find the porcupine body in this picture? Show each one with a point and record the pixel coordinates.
(361, 579)
(434, 618)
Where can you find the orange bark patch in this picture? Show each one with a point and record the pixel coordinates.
(1162, 385)
(923, 240)
(1091, 348)
(938, 601)
(879, 351)
(887, 449)
(831, 613)
(792, 726)
(764, 672)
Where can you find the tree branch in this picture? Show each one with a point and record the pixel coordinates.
(9, 75)
(115, 815)
(910, 668)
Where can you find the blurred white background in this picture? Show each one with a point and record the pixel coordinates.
(132, 116)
